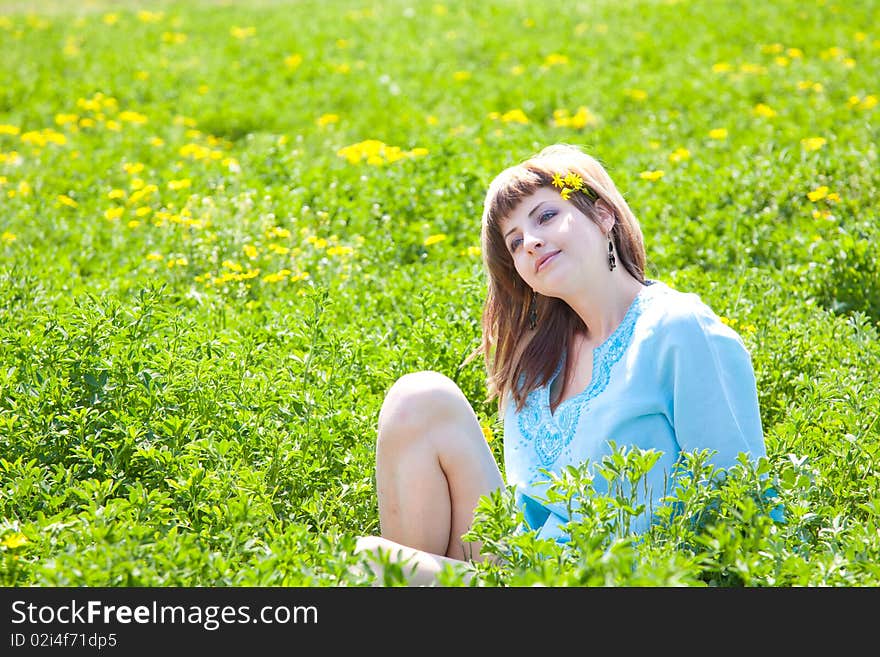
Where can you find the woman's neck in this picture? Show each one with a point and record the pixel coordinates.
(603, 309)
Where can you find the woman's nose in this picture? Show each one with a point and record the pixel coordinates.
(532, 241)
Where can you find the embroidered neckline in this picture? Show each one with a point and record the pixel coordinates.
(610, 349)
(550, 432)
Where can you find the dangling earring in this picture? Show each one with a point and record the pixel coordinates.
(533, 311)
(612, 263)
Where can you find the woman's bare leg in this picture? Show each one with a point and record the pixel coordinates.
(432, 466)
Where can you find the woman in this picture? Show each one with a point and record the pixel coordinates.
(580, 350)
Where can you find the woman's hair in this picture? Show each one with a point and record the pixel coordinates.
(506, 310)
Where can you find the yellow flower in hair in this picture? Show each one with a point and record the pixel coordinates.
(574, 181)
(571, 183)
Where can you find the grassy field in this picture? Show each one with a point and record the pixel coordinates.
(226, 228)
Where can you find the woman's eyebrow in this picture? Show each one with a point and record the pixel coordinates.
(531, 212)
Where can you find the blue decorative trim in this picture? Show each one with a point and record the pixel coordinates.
(550, 432)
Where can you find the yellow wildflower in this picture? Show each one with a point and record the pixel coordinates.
(111, 214)
(6, 129)
(327, 119)
(818, 194)
(555, 59)
(340, 250)
(293, 61)
(64, 199)
(277, 277)
(183, 183)
(636, 94)
(651, 175)
(434, 239)
(813, 143)
(14, 540)
(132, 117)
(764, 110)
(250, 251)
(679, 154)
(718, 133)
(487, 432)
(7, 237)
(515, 116)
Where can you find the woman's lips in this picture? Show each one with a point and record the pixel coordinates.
(544, 260)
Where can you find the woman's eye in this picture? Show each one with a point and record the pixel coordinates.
(515, 244)
(546, 216)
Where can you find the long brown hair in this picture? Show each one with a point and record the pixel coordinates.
(506, 309)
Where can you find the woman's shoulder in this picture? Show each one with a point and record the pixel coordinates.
(681, 315)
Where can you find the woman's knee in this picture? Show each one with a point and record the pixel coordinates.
(417, 402)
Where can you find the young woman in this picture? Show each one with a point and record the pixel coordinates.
(580, 350)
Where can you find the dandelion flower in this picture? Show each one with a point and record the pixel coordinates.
(813, 143)
(764, 110)
(183, 183)
(679, 154)
(636, 94)
(327, 119)
(434, 239)
(818, 194)
(651, 175)
(718, 133)
(487, 432)
(14, 541)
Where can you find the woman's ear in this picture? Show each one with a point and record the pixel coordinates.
(605, 216)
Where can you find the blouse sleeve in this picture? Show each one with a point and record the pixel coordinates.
(711, 390)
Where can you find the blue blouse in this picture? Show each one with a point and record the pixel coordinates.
(672, 377)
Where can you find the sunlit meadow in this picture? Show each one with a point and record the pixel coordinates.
(226, 228)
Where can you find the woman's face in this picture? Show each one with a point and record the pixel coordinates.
(556, 249)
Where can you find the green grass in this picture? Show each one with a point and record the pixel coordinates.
(202, 303)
